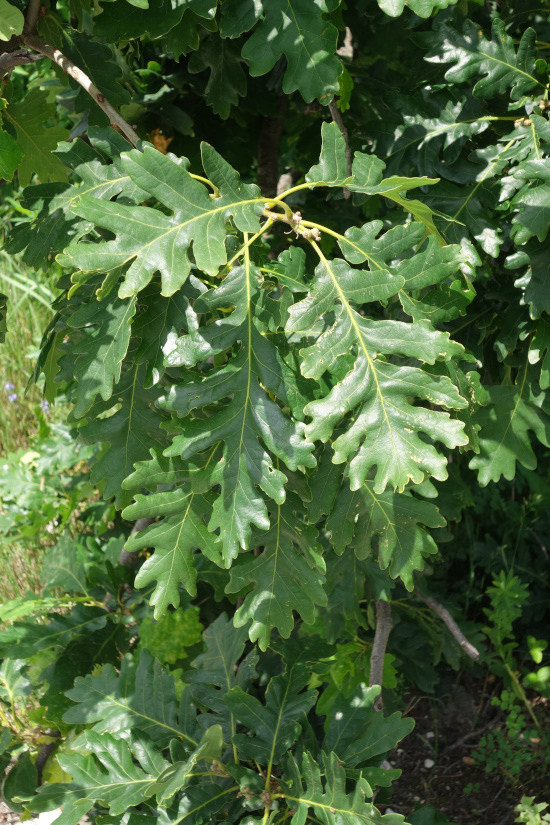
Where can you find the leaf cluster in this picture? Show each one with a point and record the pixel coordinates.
(291, 390)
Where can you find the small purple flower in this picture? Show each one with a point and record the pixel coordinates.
(12, 397)
(45, 406)
(8, 386)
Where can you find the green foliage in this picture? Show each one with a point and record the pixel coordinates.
(12, 20)
(512, 748)
(304, 386)
(530, 812)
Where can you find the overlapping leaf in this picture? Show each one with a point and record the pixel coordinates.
(367, 178)
(23, 639)
(357, 733)
(326, 793)
(55, 226)
(36, 141)
(149, 241)
(98, 62)
(392, 522)
(10, 151)
(423, 8)
(250, 419)
(123, 21)
(532, 202)
(386, 430)
(274, 724)
(496, 59)
(288, 575)
(130, 432)
(105, 770)
(141, 696)
(185, 36)
(158, 322)
(185, 512)
(178, 775)
(366, 172)
(215, 672)
(197, 803)
(511, 415)
(535, 280)
(239, 16)
(297, 30)
(101, 350)
(227, 80)
(426, 132)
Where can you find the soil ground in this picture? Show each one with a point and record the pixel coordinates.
(438, 767)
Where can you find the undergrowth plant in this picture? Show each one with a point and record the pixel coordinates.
(290, 367)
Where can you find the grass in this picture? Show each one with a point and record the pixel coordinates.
(29, 297)
(20, 568)
(29, 312)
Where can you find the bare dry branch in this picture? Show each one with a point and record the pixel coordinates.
(117, 122)
(444, 614)
(9, 60)
(381, 635)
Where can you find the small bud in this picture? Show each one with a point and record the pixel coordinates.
(526, 121)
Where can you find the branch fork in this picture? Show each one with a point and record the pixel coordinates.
(294, 220)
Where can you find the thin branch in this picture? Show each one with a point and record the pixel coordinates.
(117, 122)
(31, 18)
(381, 635)
(444, 614)
(337, 118)
(9, 60)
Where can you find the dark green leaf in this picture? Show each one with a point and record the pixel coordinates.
(297, 30)
(288, 576)
(511, 415)
(23, 639)
(275, 723)
(141, 696)
(34, 140)
(395, 521)
(182, 529)
(326, 793)
(130, 432)
(227, 81)
(496, 59)
(250, 415)
(357, 733)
